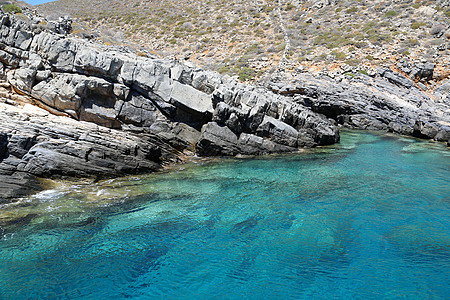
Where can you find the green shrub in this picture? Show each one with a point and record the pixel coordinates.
(411, 43)
(351, 10)
(369, 26)
(353, 62)
(417, 25)
(225, 70)
(246, 74)
(252, 49)
(390, 14)
(321, 57)
(339, 55)
(360, 45)
(331, 40)
(289, 6)
(11, 8)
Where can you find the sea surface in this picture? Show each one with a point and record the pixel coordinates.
(368, 218)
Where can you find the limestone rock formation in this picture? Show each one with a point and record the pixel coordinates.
(111, 112)
(387, 101)
(149, 111)
(35, 143)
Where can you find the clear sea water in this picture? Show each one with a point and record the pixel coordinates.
(368, 218)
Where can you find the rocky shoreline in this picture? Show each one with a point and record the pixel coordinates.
(109, 112)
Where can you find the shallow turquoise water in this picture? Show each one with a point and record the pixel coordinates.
(366, 219)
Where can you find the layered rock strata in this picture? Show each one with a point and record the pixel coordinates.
(385, 101)
(162, 108)
(110, 112)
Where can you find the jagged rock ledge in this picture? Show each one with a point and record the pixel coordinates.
(119, 113)
(114, 113)
(387, 101)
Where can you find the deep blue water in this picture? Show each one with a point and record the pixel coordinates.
(366, 219)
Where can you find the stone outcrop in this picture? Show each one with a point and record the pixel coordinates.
(387, 101)
(35, 143)
(162, 108)
(109, 112)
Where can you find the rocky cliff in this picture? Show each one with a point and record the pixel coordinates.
(110, 112)
(148, 111)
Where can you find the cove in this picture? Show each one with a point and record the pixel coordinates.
(366, 218)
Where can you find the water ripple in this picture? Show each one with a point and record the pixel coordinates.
(368, 218)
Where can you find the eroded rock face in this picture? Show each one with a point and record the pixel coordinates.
(143, 112)
(131, 114)
(388, 102)
(113, 89)
(35, 143)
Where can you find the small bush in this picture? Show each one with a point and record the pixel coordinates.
(252, 49)
(246, 74)
(417, 25)
(225, 70)
(369, 26)
(351, 10)
(289, 6)
(360, 45)
(339, 55)
(391, 13)
(353, 62)
(11, 8)
(411, 43)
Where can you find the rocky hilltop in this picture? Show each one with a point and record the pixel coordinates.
(106, 111)
(252, 39)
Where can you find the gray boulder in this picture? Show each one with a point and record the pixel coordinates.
(217, 140)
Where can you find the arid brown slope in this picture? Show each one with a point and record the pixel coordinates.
(249, 38)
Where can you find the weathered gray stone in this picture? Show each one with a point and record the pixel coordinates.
(250, 144)
(91, 62)
(278, 132)
(217, 140)
(423, 71)
(397, 79)
(139, 111)
(23, 79)
(425, 130)
(186, 95)
(23, 40)
(34, 143)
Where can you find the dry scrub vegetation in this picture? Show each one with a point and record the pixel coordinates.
(246, 38)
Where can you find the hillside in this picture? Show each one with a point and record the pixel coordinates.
(254, 38)
(179, 110)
